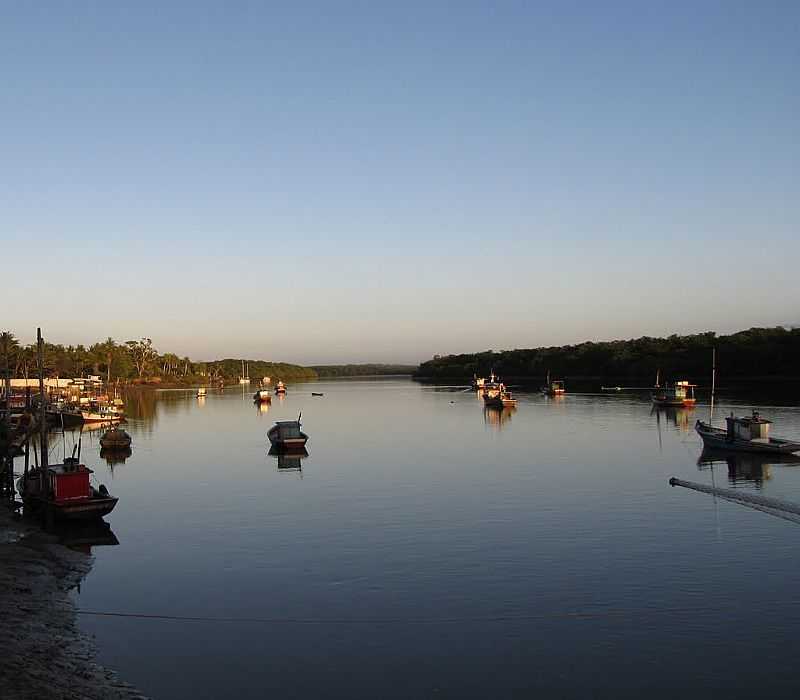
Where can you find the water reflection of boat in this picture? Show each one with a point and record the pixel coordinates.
(289, 461)
(745, 466)
(679, 417)
(263, 406)
(498, 417)
(82, 536)
(115, 455)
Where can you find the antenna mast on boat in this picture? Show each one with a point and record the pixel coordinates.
(42, 415)
(713, 383)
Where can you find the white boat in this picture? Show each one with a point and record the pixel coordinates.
(745, 434)
(262, 395)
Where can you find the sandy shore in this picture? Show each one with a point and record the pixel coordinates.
(42, 653)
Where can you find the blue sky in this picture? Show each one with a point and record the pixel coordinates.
(347, 181)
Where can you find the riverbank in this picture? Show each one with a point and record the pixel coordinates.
(42, 652)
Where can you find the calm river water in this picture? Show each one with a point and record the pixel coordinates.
(429, 548)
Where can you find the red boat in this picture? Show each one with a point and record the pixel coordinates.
(68, 494)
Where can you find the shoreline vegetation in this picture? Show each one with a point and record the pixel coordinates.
(764, 354)
(139, 363)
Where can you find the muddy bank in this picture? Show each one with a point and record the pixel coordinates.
(42, 653)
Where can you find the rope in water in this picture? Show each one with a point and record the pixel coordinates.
(572, 615)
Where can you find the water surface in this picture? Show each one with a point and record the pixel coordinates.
(429, 548)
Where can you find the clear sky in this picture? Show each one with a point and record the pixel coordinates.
(376, 181)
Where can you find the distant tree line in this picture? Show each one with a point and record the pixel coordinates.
(758, 352)
(362, 370)
(133, 361)
(258, 369)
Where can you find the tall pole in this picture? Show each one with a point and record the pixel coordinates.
(42, 415)
(713, 383)
(9, 465)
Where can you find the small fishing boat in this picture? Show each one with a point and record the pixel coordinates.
(317, 393)
(262, 395)
(553, 388)
(745, 434)
(115, 438)
(201, 392)
(675, 395)
(502, 399)
(68, 495)
(280, 388)
(102, 414)
(482, 384)
(287, 435)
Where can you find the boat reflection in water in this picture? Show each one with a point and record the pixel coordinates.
(681, 418)
(82, 536)
(262, 407)
(115, 455)
(498, 417)
(745, 467)
(289, 461)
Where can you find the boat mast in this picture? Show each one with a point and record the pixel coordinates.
(42, 416)
(713, 384)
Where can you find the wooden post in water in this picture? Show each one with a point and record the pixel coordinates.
(42, 416)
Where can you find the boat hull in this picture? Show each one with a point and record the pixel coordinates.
(717, 438)
(674, 403)
(80, 509)
(290, 445)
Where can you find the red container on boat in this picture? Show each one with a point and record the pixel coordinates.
(69, 485)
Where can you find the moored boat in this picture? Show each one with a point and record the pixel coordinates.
(287, 435)
(102, 414)
(115, 438)
(553, 388)
(503, 398)
(280, 388)
(675, 395)
(262, 395)
(745, 434)
(68, 495)
(483, 385)
(201, 392)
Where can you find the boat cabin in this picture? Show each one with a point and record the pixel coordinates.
(287, 429)
(683, 390)
(69, 481)
(753, 428)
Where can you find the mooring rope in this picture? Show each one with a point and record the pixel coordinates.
(567, 614)
(771, 506)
